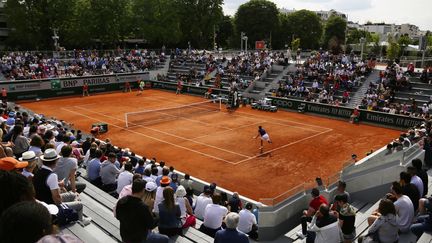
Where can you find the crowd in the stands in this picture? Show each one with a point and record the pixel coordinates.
(405, 208)
(328, 74)
(40, 161)
(380, 95)
(26, 65)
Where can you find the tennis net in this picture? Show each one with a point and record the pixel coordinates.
(149, 117)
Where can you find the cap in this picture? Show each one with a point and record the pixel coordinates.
(150, 186)
(165, 180)
(10, 163)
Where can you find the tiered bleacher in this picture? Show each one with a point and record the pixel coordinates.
(30, 65)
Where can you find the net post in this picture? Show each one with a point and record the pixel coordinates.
(220, 104)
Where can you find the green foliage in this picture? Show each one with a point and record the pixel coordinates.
(305, 25)
(404, 40)
(258, 19)
(393, 50)
(354, 35)
(334, 33)
(295, 44)
(224, 32)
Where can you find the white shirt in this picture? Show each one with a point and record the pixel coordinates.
(200, 205)
(247, 219)
(124, 179)
(158, 198)
(59, 147)
(404, 213)
(52, 180)
(213, 216)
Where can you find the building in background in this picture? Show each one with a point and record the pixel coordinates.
(324, 15)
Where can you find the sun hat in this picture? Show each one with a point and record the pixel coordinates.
(165, 180)
(74, 143)
(10, 163)
(28, 156)
(49, 155)
(181, 191)
(150, 186)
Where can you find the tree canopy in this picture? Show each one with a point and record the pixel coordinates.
(305, 25)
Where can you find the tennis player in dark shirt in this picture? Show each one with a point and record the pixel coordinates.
(264, 137)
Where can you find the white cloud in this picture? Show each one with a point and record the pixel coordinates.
(390, 11)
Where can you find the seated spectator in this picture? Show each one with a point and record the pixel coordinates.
(324, 227)
(235, 203)
(183, 202)
(416, 180)
(31, 158)
(174, 181)
(109, 173)
(169, 214)
(423, 222)
(93, 169)
(314, 205)
(66, 169)
(136, 222)
(147, 176)
(140, 169)
(247, 222)
(164, 182)
(340, 190)
(30, 216)
(230, 233)
(347, 217)
(21, 143)
(385, 226)
(186, 182)
(164, 172)
(15, 186)
(418, 165)
(47, 187)
(409, 189)
(125, 178)
(213, 216)
(202, 201)
(149, 195)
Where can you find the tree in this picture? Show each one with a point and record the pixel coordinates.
(295, 44)
(393, 50)
(306, 26)
(403, 42)
(334, 30)
(197, 20)
(225, 31)
(258, 19)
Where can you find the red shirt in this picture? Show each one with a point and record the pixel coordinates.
(85, 87)
(127, 84)
(4, 93)
(316, 202)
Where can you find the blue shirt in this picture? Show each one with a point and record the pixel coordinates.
(94, 169)
(262, 132)
(231, 236)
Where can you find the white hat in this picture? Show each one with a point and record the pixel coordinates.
(52, 209)
(74, 143)
(49, 155)
(150, 186)
(50, 127)
(181, 191)
(28, 156)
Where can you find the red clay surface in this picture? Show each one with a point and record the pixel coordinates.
(219, 146)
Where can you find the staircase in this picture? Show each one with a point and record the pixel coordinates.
(268, 81)
(358, 96)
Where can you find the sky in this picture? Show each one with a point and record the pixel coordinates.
(417, 12)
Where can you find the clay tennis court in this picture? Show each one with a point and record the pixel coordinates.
(218, 146)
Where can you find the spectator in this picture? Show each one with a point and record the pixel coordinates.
(125, 177)
(59, 238)
(140, 169)
(384, 227)
(416, 180)
(418, 165)
(213, 216)
(340, 190)
(202, 201)
(324, 227)
(31, 159)
(314, 205)
(183, 202)
(235, 203)
(109, 173)
(248, 223)
(36, 145)
(47, 186)
(409, 189)
(127, 190)
(93, 169)
(33, 217)
(147, 175)
(136, 222)
(404, 208)
(230, 233)
(14, 185)
(347, 216)
(66, 169)
(169, 214)
(164, 182)
(174, 183)
(150, 195)
(423, 223)
(186, 182)
(21, 144)
(164, 172)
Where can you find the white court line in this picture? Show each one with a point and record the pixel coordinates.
(169, 134)
(147, 136)
(233, 129)
(256, 118)
(281, 147)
